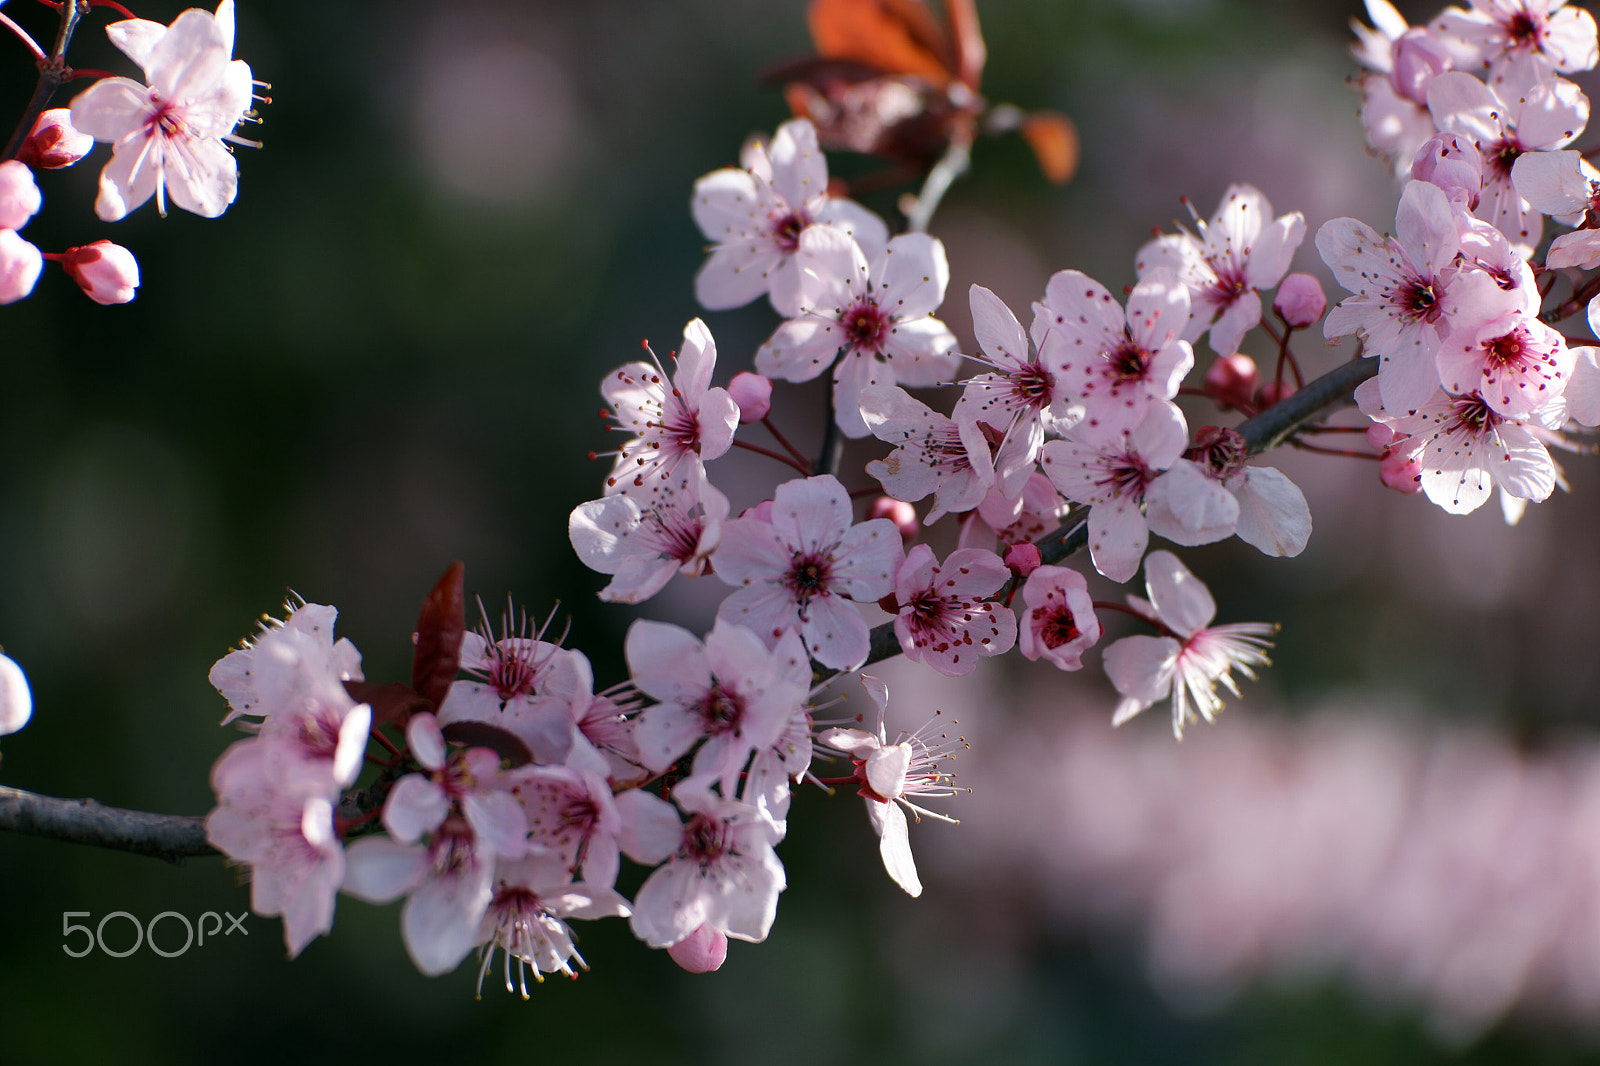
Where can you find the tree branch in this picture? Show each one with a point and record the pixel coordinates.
(172, 837)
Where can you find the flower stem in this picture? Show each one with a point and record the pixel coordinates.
(53, 73)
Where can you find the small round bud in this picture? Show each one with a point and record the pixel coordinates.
(753, 394)
(1300, 301)
(1419, 57)
(1401, 472)
(1380, 436)
(1023, 558)
(1454, 164)
(1231, 380)
(107, 273)
(19, 196)
(902, 514)
(701, 951)
(20, 263)
(54, 142)
(1276, 392)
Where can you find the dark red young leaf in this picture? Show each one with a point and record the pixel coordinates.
(967, 41)
(895, 36)
(503, 743)
(392, 703)
(440, 626)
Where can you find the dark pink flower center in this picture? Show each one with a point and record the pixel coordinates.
(721, 711)
(786, 230)
(808, 576)
(1055, 625)
(705, 840)
(865, 326)
(1418, 299)
(1128, 362)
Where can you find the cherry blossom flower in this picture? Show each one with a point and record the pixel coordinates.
(1027, 517)
(20, 198)
(1058, 619)
(573, 817)
(1237, 256)
(945, 619)
(1112, 473)
(1495, 348)
(1021, 397)
(1466, 449)
(717, 868)
(1561, 37)
(168, 137)
(1521, 113)
(758, 215)
(686, 423)
(1211, 494)
(731, 691)
(798, 570)
(235, 674)
(1399, 285)
(526, 919)
(933, 454)
(874, 316)
(642, 541)
(1192, 658)
(16, 699)
(913, 766)
(280, 823)
(1115, 364)
(1403, 61)
(1563, 185)
(20, 264)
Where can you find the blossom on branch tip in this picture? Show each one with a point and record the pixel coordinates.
(946, 619)
(1058, 619)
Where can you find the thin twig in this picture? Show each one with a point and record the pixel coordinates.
(172, 837)
(53, 73)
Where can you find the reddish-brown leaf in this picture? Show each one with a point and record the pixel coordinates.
(895, 36)
(440, 626)
(967, 40)
(1054, 140)
(502, 742)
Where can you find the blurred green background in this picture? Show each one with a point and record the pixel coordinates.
(384, 357)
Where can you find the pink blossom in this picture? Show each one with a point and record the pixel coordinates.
(1394, 109)
(1495, 348)
(1399, 286)
(54, 142)
(1058, 619)
(235, 674)
(168, 137)
(719, 869)
(1494, 31)
(642, 541)
(757, 216)
(1237, 256)
(1115, 364)
(933, 454)
(20, 263)
(946, 619)
(526, 919)
(684, 424)
(16, 699)
(106, 272)
(1030, 515)
(874, 316)
(20, 198)
(799, 570)
(572, 817)
(1192, 659)
(1452, 162)
(1112, 475)
(731, 692)
(914, 766)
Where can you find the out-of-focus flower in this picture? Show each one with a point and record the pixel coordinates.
(16, 700)
(20, 198)
(20, 263)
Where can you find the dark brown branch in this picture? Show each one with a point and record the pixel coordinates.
(53, 74)
(172, 837)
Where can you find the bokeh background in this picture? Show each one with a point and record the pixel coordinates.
(385, 357)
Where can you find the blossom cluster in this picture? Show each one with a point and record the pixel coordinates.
(168, 135)
(1474, 385)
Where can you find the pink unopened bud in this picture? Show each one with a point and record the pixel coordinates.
(1380, 436)
(19, 196)
(1454, 164)
(701, 951)
(20, 263)
(1401, 472)
(1023, 558)
(1231, 380)
(106, 272)
(902, 514)
(1276, 392)
(54, 142)
(1299, 301)
(753, 394)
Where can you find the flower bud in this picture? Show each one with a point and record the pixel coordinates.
(54, 142)
(20, 263)
(1276, 392)
(1299, 301)
(1380, 436)
(16, 701)
(753, 394)
(1454, 164)
(701, 951)
(1401, 472)
(1419, 57)
(106, 272)
(19, 196)
(902, 514)
(1231, 380)
(1023, 558)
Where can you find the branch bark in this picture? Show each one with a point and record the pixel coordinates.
(172, 837)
